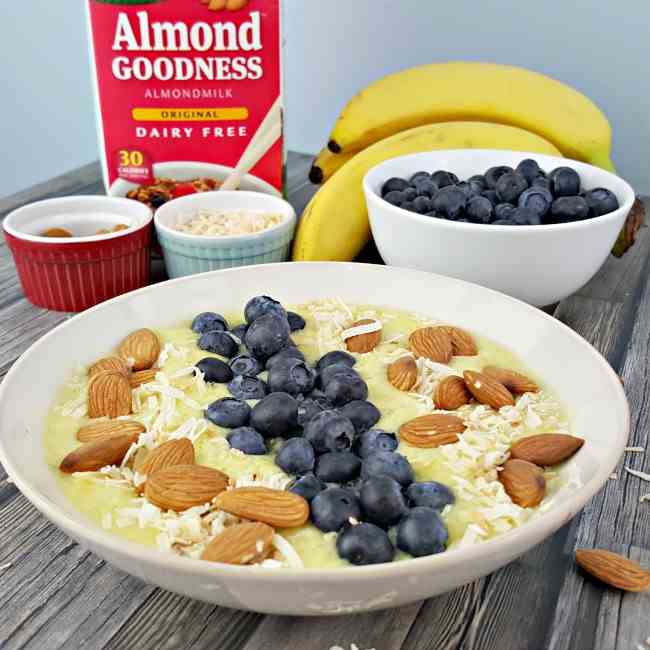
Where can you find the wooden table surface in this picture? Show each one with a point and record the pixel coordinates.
(56, 594)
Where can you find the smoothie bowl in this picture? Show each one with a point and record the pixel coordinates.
(255, 452)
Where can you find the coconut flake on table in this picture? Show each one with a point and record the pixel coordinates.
(228, 223)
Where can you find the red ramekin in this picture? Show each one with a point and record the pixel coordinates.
(74, 273)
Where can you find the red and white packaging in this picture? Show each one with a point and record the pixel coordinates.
(181, 88)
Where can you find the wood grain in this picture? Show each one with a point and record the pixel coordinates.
(56, 594)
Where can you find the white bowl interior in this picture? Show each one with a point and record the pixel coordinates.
(186, 208)
(587, 385)
(81, 215)
(189, 170)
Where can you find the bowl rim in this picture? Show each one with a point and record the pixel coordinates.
(115, 202)
(371, 177)
(526, 534)
(287, 210)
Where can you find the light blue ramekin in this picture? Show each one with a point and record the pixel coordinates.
(189, 254)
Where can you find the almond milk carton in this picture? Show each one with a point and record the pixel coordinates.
(182, 87)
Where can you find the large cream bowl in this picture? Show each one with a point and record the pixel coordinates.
(539, 264)
(583, 379)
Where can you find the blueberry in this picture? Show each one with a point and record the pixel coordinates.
(220, 343)
(308, 408)
(208, 321)
(229, 413)
(295, 456)
(418, 177)
(479, 210)
(362, 414)
(261, 305)
(426, 188)
(343, 388)
(564, 182)
(332, 508)
(292, 376)
(510, 186)
(525, 217)
(335, 357)
(493, 174)
(382, 501)
(408, 205)
(243, 387)
(422, 532)
(393, 185)
(364, 544)
(409, 193)
(373, 441)
(307, 486)
(395, 198)
(569, 208)
(248, 440)
(537, 199)
(430, 494)
(541, 181)
(239, 331)
(504, 222)
(245, 365)
(601, 201)
(388, 463)
(337, 467)
(275, 415)
(503, 210)
(421, 204)
(450, 201)
(478, 178)
(214, 370)
(329, 431)
(267, 335)
(435, 214)
(329, 372)
(491, 196)
(444, 179)
(283, 355)
(529, 169)
(296, 321)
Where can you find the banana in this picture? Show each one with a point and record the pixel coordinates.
(326, 163)
(334, 225)
(484, 92)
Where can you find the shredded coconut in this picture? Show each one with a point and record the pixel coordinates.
(635, 450)
(228, 223)
(635, 472)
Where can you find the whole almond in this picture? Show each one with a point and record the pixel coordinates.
(109, 395)
(170, 453)
(433, 430)
(487, 390)
(515, 382)
(136, 379)
(94, 455)
(523, 482)
(140, 349)
(109, 364)
(613, 569)
(451, 393)
(462, 343)
(432, 343)
(546, 449)
(241, 544)
(363, 343)
(184, 486)
(277, 508)
(106, 428)
(403, 373)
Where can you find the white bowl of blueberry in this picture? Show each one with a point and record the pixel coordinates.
(533, 226)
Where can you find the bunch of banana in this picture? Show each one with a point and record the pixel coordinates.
(334, 225)
(486, 92)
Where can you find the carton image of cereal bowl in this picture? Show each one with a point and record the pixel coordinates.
(222, 230)
(182, 172)
(540, 264)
